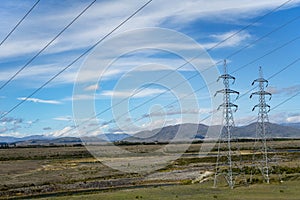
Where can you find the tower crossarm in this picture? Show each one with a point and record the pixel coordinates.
(226, 76)
(262, 105)
(228, 105)
(228, 91)
(261, 93)
(261, 80)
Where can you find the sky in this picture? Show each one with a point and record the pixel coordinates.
(271, 42)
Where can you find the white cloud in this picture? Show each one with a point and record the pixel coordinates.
(38, 71)
(92, 87)
(80, 97)
(63, 118)
(273, 90)
(243, 121)
(155, 124)
(293, 119)
(100, 19)
(133, 94)
(284, 117)
(88, 29)
(69, 131)
(36, 100)
(13, 134)
(179, 112)
(233, 41)
(287, 90)
(65, 132)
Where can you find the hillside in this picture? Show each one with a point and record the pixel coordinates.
(184, 132)
(168, 133)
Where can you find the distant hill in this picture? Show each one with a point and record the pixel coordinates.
(113, 137)
(168, 133)
(276, 131)
(184, 133)
(294, 125)
(43, 140)
(9, 139)
(52, 141)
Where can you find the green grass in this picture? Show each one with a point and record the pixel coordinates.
(61, 170)
(286, 190)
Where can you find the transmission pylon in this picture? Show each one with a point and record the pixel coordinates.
(261, 150)
(224, 164)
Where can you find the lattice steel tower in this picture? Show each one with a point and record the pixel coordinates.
(224, 163)
(261, 154)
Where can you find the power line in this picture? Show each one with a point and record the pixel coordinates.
(272, 76)
(254, 22)
(214, 111)
(74, 61)
(266, 35)
(47, 45)
(210, 49)
(219, 43)
(260, 18)
(278, 105)
(16, 26)
(286, 100)
(240, 50)
(241, 96)
(195, 75)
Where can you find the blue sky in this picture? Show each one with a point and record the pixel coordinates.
(50, 111)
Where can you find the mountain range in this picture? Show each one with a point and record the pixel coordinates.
(294, 125)
(183, 132)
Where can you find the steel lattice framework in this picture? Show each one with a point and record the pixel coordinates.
(224, 164)
(261, 157)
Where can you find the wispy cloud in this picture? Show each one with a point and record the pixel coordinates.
(11, 124)
(178, 112)
(284, 117)
(12, 133)
(36, 100)
(99, 20)
(63, 118)
(287, 90)
(66, 131)
(234, 41)
(123, 94)
(69, 131)
(155, 124)
(293, 119)
(92, 87)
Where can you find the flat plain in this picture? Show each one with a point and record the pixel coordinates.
(44, 172)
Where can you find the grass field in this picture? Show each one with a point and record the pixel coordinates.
(287, 190)
(54, 171)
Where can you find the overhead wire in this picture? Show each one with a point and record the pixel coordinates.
(258, 19)
(46, 46)
(247, 92)
(209, 49)
(213, 47)
(75, 60)
(195, 75)
(214, 111)
(19, 22)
